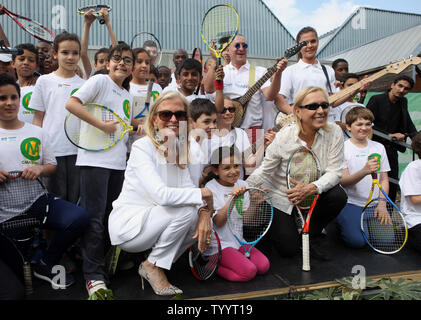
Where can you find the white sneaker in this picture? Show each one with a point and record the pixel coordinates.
(94, 285)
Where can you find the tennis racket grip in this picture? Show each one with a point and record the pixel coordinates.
(218, 63)
(306, 252)
(27, 276)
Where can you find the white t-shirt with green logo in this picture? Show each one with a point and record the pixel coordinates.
(25, 147)
(139, 91)
(101, 89)
(50, 96)
(26, 114)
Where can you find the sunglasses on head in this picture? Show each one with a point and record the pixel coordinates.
(166, 115)
(238, 45)
(315, 106)
(230, 109)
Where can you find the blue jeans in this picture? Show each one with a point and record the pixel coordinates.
(349, 225)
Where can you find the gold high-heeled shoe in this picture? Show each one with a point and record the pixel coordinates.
(170, 291)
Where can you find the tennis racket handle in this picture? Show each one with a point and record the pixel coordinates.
(27, 278)
(306, 252)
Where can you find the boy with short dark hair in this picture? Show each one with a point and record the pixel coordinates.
(164, 76)
(189, 74)
(203, 120)
(357, 175)
(68, 220)
(25, 65)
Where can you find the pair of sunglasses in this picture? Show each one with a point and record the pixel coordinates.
(166, 115)
(229, 109)
(315, 106)
(238, 45)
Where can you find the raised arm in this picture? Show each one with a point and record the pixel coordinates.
(89, 18)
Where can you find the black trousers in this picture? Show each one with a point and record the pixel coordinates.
(99, 187)
(283, 234)
(414, 237)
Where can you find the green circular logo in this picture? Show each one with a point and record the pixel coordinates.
(126, 108)
(25, 101)
(154, 95)
(31, 148)
(74, 91)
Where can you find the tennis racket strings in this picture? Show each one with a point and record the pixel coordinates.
(383, 237)
(219, 26)
(204, 264)
(17, 195)
(86, 136)
(251, 215)
(303, 168)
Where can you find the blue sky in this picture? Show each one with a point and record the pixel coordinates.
(326, 15)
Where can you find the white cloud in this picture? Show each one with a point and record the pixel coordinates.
(329, 15)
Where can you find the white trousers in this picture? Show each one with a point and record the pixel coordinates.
(168, 231)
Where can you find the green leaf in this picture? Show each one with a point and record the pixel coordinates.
(102, 294)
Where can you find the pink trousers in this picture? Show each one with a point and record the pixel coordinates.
(236, 267)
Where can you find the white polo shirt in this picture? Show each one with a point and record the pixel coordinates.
(236, 84)
(301, 75)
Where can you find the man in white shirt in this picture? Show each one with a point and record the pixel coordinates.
(236, 84)
(308, 71)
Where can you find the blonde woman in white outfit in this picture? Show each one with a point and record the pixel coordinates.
(158, 207)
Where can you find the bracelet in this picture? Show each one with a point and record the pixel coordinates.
(219, 84)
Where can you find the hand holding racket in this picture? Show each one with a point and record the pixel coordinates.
(99, 11)
(249, 216)
(86, 136)
(382, 224)
(303, 168)
(203, 264)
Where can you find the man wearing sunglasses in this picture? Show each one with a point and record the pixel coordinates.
(237, 81)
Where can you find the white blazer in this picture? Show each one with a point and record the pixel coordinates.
(149, 181)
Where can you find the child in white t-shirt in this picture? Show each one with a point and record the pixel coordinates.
(139, 88)
(224, 183)
(102, 173)
(139, 83)
(25, 65)
(357, 175)
(48, 100)
(27, 148)
(410, 185)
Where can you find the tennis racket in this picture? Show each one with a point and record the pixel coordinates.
(33, 27)
(303, 166)
(96, 13)
(26, 204)
(88, 137)
(111, 259)
(219, 28)
(204, 264)
(249, 217)
(150, 43)
(382, 224)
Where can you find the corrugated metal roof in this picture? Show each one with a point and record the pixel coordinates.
(176, 23)
(382, 52)
(366, 25)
